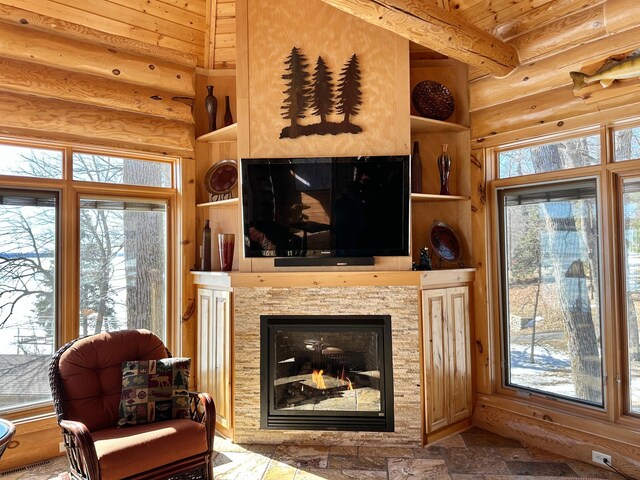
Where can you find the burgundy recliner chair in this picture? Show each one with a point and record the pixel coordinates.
(86, 382)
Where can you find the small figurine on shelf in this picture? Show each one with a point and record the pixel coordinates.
(425, 260)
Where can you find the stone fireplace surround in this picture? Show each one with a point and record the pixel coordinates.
(401, 302)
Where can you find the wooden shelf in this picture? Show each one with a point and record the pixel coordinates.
(427, 125)
(220, 203)
(430, 197)
(222, 135)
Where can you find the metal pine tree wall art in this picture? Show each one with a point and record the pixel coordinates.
(322, 100)
(297, 93)
(318, 93)
(350, 94)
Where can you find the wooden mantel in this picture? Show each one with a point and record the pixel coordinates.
(288, 279)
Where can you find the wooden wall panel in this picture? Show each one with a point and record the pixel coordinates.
(481, 342)
(224, 39)
(384, 112)
(185, 317)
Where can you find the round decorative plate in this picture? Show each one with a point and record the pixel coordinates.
(221, 177)
(444, 241)
(432, 100)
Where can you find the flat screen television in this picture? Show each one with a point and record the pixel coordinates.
(326, 207)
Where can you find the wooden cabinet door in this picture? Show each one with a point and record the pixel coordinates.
(460, 393)
(221, 356)
(447, 356)
(434, 304)
(204, 378)
(214, 350)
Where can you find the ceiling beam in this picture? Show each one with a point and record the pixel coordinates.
(436, 29)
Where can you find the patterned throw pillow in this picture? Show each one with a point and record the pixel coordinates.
(154, 390)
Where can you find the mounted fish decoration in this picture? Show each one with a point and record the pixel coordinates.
(613, 69)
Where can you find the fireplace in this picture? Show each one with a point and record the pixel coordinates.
(326, 373)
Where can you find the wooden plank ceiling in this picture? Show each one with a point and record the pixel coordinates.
(535, 28)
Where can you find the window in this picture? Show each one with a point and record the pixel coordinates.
(122, 265)
(30, 161)
(626, 144)
(550, 157)
(92, 167)
(116, 213)
(28, 222)
(631, 207)
(551, 293)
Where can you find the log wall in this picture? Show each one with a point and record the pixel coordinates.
(539, 92)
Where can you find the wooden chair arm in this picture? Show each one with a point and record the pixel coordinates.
(203, 410)
(80, 449)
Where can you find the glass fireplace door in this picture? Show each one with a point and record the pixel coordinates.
(331, 373)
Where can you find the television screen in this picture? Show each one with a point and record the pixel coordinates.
(332, 206)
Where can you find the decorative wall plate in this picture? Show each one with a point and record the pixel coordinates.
(433, 100)
(444, 241)
(221, 178)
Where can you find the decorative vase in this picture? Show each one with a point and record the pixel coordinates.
(444, 166)
(205, 260)
(416, 169)
(211, 104)
(226, 242)
(228, 118)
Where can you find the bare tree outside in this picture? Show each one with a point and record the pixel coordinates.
(123, 246)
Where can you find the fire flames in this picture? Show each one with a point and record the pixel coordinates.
(343, 377)
(316, 377)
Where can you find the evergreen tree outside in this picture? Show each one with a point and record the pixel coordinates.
(323, 95)
(349, 89)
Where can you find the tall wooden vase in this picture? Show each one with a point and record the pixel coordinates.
(416, 169)
(211, 105)
(444, 166)
(205, 259)
(228, 117)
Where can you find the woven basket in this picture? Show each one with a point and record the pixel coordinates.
(433, 100)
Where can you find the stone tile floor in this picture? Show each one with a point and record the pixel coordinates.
(472, 455)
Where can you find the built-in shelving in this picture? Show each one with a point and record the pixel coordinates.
(428, 125)
(220, 203)
(222, 135)
(430, 197)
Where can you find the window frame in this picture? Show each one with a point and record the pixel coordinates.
(520, 391)
(621, 173)
(609, 334)
(69, 192)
